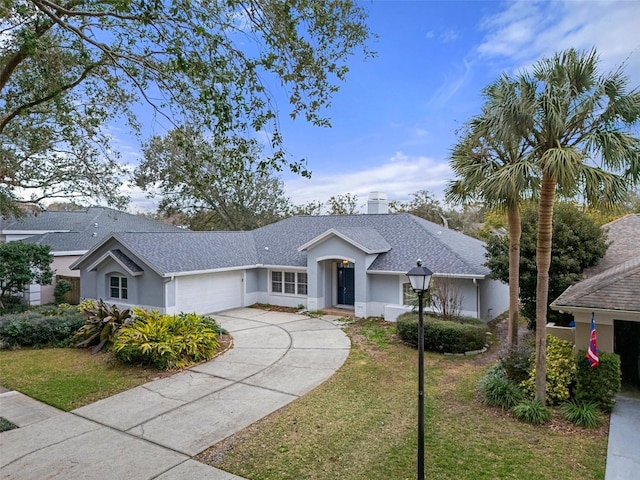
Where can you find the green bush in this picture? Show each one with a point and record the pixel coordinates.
(598, 385)
(582, 414)
(498, 391)
(40, 327)
(166, 341)
(101, 326)
(60, 290)
(12, 304)
(447, 336)
(517, 362)
(560, 371)
(532, 411)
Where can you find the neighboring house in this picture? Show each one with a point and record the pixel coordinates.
(611, 291)
(351, 261)
(70, 235)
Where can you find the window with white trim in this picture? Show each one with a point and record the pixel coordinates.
(408, 295)
(118, 287)
(289, 283)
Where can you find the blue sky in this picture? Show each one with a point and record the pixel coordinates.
(395, 118)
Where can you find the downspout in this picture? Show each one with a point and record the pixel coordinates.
(475, 282)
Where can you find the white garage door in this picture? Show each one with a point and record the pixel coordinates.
(209, 293)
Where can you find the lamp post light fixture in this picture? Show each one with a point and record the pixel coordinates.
(420, 277)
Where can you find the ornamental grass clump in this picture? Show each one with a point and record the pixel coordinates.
(166, 341)
(582, 414)
(532, 411)
(498, 391)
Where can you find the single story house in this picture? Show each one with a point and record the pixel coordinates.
(70, 234)
(350, 261)
(611, 292)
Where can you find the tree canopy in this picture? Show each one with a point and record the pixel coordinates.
(69, 69)
(578, 243)
(217, 187)
(22, 264)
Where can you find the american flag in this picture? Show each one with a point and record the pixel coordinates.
(592, 352)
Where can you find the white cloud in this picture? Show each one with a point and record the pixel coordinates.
(527, 31)
(399, 177)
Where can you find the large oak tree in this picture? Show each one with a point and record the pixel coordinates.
(70, 68)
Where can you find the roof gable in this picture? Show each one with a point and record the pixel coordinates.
(131, 267)
(366, 239)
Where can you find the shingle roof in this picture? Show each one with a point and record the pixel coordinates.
(617, 288)
(614, 283)
(442, 250)
(175, 252)
(403, 238)
(366, 239)
(82, 229)
(624, 244)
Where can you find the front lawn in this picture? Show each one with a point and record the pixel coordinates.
(69, 378)
(361, 424)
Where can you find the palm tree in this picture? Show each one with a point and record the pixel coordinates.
(492, 164)
(582, 140)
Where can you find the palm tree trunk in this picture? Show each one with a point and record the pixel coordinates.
(543, 261)
(515, 231)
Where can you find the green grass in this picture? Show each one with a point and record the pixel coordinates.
(361, 424)
(68, 378)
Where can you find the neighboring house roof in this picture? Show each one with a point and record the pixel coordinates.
(78, 231)
(624, 244)
(614, 283)
(399, 239)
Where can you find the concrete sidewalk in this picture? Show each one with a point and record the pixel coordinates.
(152, 431)
(623, 452)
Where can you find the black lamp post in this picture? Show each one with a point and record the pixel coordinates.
(420, 277)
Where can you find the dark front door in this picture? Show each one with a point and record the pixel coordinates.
(627, 345)
(345, 284)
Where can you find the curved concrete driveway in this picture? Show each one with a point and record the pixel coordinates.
(153, 430)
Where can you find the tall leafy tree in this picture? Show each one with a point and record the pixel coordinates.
(584, 141)
(219, 187)
(491, 164)
(22, 264)
(578, 243)
(346, 204)
(69, 68)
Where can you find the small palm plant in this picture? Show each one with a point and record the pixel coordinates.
(101, 327)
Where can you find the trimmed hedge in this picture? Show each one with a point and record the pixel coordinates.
(40, 327)
(446, 336)
(598, 385)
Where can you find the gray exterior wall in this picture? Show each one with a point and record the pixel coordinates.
(494, 298)
(146, 290)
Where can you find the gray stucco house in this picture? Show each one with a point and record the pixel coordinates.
(349, 261)
(70, 235)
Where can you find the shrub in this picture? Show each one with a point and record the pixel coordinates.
(532, 411)
(497, 390)
(166, 341)
(40, 327)
(582, 414)
(598, 385)
(560, 371)
(60, 290)
(443, 335)
(101, 326)
(12, 304)
(517, 362)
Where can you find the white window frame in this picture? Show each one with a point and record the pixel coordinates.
(119, 287)
(289, 280)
